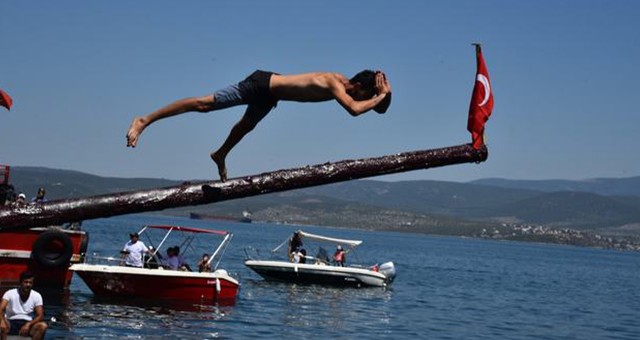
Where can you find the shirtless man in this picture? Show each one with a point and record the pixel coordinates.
(262, 90)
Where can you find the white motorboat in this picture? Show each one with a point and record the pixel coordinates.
(318, 268)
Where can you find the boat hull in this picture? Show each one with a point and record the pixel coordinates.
(46, 252)
(119, 281)
(318, 274)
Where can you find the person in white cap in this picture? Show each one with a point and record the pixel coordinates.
(21, 200)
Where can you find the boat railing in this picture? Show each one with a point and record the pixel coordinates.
(252, 253)
(322, 259)
(95, 258)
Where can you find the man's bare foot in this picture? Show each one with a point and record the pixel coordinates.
(222, 169)
(135, 129)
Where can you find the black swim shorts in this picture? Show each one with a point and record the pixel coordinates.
(253, 91)
(15, 326)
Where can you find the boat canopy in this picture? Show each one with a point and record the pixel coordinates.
(187, 229)
(352, 243)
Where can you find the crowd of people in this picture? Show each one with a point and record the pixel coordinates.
(9, 197)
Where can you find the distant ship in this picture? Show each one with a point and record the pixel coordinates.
(246, 217)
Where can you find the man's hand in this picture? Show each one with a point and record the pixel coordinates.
(4, 326)
(24, 330)
(382, 84)
(383, 88)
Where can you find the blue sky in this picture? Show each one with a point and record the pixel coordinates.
(565, 76)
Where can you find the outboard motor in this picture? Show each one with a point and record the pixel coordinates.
(388, 270)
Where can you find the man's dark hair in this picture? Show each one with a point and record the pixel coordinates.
(25, 275)
(367, 80)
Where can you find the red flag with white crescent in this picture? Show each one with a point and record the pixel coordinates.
(5, 100)
(481, 102)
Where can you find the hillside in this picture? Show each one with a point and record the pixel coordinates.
(604, 186)
(422, 206)
(565, 209)
(61, 184)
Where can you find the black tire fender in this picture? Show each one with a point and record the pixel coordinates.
(52, 249)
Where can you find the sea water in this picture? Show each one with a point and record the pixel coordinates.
(446, 288)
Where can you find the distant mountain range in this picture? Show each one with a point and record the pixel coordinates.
(602, 186)
(435, 205)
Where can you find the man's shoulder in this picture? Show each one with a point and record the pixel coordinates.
(10, 293)
(36, 297)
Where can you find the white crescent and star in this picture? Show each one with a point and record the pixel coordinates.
(487, 88)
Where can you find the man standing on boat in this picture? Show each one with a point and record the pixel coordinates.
(18, 308)
(133, 250)
(262, 90)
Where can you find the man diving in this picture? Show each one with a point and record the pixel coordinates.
(261, 92)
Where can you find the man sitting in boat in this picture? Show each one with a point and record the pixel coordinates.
(182, 264)
(300, 256)
(175, 261)
(294, 245)
(133, 250)
(203, 265)
(339, 257)
(22, 311)
(172, 261)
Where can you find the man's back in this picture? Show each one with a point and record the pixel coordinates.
(306, 87)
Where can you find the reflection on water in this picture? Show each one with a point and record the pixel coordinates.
(331, 309)
(87, 316)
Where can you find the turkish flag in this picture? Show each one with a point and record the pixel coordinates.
(5, 100)
(481, 102)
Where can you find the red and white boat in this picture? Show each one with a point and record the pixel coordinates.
(46, 252)
(112, 279)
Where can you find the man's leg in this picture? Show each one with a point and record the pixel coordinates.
(248, 122)
(38, 330)
(200, 104)
(238, 131)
